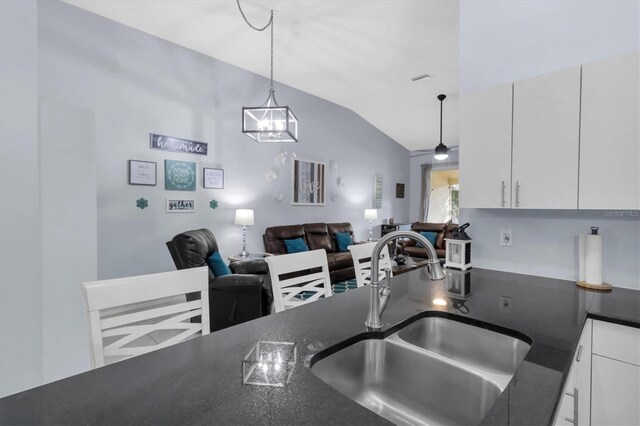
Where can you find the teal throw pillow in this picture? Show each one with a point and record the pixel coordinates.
(296, 245)
(217, 265)
(344, 240)
(431, 236)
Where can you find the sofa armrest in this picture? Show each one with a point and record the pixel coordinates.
(254, 266)
(236, 282)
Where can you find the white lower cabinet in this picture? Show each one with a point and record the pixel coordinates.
(615, 398)
(603, 387)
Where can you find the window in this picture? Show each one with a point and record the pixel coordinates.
(443, 201)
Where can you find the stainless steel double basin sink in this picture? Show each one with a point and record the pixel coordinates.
(435, 371)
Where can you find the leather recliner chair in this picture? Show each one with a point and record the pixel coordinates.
(233, 299)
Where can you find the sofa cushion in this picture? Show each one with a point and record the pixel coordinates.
(431, 236)
(318, 236)
(339, 260)
(343, 241)
(334, 228)
(296, 245)
(217, 265)
(274, 237)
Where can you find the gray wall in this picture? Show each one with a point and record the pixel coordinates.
(136, 84)
(20, 253)
(503, 41)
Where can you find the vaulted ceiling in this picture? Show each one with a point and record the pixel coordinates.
(360, 54)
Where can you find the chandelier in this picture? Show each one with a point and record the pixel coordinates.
(269, 122)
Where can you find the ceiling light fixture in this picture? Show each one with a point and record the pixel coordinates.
(269, 122)
(442, 152)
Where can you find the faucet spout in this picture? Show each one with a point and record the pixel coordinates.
(379, 297)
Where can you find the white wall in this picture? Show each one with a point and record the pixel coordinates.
(503, 41)
(20, 253)
(69, 235)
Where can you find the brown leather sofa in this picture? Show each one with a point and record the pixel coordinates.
(444, 231)
(316, 236)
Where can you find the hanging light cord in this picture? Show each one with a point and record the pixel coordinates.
(268, 24)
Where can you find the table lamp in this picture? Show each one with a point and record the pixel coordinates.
(371, 214)
(244, 217)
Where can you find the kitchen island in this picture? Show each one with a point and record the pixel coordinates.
(200, 381)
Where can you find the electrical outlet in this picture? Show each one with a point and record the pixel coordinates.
(505, 304)
(505, 237)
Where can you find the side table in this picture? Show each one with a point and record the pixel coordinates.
(252, 256)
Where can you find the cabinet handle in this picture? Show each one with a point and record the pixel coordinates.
(575, 405)
(517, 193)
(579, 353)
(569, 420)
(503, 186)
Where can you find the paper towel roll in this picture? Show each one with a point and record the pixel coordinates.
(593, 259)
(582, 241)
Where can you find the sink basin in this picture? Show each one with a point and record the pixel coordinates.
(485, 349)
(435, 371)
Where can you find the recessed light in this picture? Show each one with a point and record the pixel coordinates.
(421, 76)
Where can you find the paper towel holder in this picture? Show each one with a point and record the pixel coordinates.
(598, 287)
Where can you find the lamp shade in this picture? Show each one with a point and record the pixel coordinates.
(244, 217)
(371, 214)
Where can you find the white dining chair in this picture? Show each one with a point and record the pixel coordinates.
(135, 315)
(291, 281)
(361, 254)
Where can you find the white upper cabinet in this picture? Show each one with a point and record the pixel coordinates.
(485, 148)
(610, 134)
(546, 118)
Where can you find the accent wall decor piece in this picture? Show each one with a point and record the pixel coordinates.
(308, 183)
(179, 175)
(271, 175)
(141, 203)
(212, 178)
(269, 122)
(180, 205)
(399, 190)
(377, 192)
(142, 173)
(169, 143)
(213, 204)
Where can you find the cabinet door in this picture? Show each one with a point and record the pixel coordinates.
(485, 148)
(610, 134)
(546, 117)
(616, 392)
(582, 383)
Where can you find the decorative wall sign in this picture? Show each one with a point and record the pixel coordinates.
(180, 206)
(308, 183)
(141, 203)
(142, 173)
(169, 143)
(399, 190)
(212, 178)
(179, 175)
(377, 192)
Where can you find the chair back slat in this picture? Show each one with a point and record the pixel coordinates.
(361, 254)
(299, 289)
(127, 307)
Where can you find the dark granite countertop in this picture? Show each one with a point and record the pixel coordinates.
(200, 381)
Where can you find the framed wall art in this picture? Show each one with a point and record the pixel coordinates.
(174, 205)
(212, 178)
(142, 173)
(377, 192)
(179, 175)
(173, 144)
(308, 183)
(399, 190)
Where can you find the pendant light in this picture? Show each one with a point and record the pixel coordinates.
(442, 152)
(269, 122)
